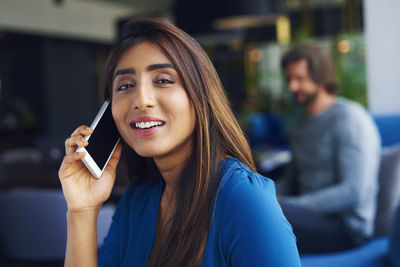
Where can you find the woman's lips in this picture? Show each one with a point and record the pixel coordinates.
(146, 126)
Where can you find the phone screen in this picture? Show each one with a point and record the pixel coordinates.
(103, 139)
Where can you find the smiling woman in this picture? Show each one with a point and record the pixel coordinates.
(195, 198)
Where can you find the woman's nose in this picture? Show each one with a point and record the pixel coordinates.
(144, 97)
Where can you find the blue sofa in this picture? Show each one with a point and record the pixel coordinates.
(379, 252)
(372, 254)
(389, 128)
(384, 248)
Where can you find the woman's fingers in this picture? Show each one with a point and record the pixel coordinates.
(66, 168)
(82, 130)
(74, 157)
(72, 143)
(77, 139)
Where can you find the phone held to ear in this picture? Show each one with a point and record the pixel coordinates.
(102, 142)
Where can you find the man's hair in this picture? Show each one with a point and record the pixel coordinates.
(319, 65)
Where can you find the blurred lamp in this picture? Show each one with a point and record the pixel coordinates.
(248, 14)
(344, 46)
(283, 30)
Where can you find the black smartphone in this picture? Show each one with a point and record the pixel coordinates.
(102, 142)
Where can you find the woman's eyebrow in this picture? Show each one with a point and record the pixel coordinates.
(160, 66)
(124, 71)
(149, 68)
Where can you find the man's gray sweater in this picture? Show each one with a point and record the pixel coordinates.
(335, 165)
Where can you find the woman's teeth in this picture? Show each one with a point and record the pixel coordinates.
(147, 124)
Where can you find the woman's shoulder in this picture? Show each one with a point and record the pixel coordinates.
(239, 182)
(234, 172)
(247, 210)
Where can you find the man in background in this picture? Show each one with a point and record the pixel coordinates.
(329, 190)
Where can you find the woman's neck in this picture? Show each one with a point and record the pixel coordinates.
(171, 166)
(170, 169)
(170, 176)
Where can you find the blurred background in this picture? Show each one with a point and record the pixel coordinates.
(53, 53)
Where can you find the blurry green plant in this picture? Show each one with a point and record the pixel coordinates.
(351, 67)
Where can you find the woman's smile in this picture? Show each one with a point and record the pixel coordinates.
(146, 126)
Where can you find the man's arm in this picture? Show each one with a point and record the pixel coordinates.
(357, 155)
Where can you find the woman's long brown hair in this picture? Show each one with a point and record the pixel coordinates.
(217, 135)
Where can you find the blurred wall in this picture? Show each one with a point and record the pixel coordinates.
(382, 33)
(85, 20)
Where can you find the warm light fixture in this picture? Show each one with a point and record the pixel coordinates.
(283, 30)
(246, 21)
(248, 14)
(255, 55)
(344, 46)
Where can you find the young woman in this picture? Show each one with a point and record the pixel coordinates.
(195, 198)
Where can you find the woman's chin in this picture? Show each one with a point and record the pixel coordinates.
(147, 153)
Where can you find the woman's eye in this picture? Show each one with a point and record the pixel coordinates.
(124, 86)
(164, 81)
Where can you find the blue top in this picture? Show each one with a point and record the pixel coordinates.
(248, 229)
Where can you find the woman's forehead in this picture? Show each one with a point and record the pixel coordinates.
(142, 53)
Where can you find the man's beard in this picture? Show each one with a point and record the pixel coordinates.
(308, 100)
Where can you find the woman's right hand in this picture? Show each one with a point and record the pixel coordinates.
(83, 191)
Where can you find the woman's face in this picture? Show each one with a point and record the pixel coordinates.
(150, 106)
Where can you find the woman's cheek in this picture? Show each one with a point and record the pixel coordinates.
(118, 116)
